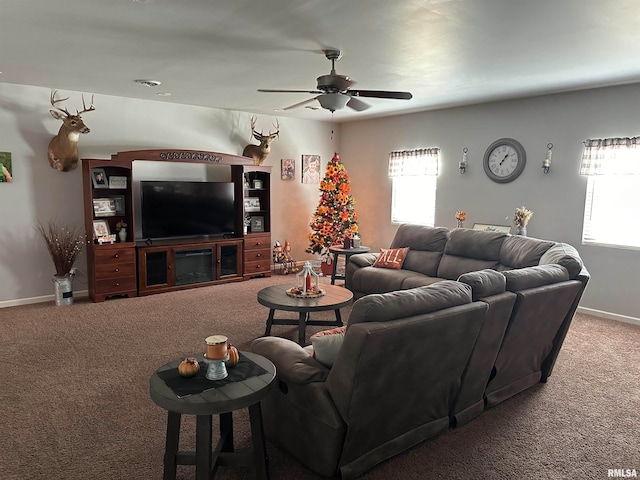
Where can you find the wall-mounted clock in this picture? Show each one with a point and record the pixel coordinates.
(504, 160)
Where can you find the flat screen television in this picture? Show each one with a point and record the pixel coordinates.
(173, 209)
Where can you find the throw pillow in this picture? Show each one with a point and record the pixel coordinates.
(326, 345)
(391, 258)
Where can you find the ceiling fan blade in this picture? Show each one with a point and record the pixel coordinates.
(299, 104)
(268, 90)
(381, 94)
(357, 105)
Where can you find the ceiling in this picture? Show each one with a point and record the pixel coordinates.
(217, 53)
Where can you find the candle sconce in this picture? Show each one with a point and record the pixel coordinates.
(546, 163)
(463, 163)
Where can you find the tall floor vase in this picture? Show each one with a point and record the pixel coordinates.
(63, 290)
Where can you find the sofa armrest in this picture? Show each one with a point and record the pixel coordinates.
(293, 363)
(364, 259)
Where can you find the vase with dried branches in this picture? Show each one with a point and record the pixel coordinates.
(64, 245)
(521, 220)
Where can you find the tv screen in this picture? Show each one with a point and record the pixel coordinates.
(186, 209)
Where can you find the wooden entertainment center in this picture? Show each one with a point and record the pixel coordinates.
(131, 268)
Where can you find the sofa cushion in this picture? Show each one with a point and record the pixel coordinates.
(532, 277)
(420, 237)
(470, 250)
(378, 280)
(391, 258)
(422, 261)
(519, 252)
(407, 303)
(326, 345)
(293, 363)
(565, 255)
(364, 259)
(484, 283)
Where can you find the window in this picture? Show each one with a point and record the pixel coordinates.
(414, 174)
(612, 199)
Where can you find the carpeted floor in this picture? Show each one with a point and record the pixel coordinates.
(74, 401)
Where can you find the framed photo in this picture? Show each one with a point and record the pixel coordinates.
(100, 228)
(104, 207)
(6, 174)
(257, 224)
(251, 204)
(99, 178)
(117, 182)
(311, 169)
(492, 228)
(257, 184)
(287, 169)
(118, 202)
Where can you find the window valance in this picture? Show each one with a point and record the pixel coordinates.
(419, 162)
(611, 156)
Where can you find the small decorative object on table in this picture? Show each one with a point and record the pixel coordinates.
(306, 283)
(188, 367)
(356, 241)
(521, 219)
(121, 227)
(216, 354)
(460, 218)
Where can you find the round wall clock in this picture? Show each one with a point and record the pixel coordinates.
(504, 160)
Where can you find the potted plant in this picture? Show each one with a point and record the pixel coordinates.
(64, 245)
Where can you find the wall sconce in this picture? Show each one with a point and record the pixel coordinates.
(463, 164)
(546, 163)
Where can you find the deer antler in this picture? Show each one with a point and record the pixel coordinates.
(85, 109)
(277, 125)
(54, 101)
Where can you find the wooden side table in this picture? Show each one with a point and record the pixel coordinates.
(222, 401)
(276, 298)
(347, 252)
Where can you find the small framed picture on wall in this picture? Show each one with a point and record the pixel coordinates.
(287, 169)
(311, 169)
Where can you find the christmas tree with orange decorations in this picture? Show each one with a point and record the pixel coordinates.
(335, 217)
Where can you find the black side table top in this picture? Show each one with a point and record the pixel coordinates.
(226, 398)
(350, 251)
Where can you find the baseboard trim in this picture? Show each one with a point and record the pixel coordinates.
(42, 299)
(609, 315)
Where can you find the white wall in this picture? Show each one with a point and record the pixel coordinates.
(118, 124)
(40, 194)
(557, 199)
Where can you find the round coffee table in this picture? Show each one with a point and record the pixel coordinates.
(276, 298)
(221, 399)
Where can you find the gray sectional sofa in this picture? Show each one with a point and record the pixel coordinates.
(471, 319)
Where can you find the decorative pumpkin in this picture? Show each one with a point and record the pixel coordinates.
(188, 367)
(234, 357)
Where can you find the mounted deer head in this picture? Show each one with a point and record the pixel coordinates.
(63, 148)
(260, 152)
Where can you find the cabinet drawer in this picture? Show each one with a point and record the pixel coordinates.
(257, 267)
(115, 284)
(114, 255)
(109, 270)
(263, 255)
(257, 242)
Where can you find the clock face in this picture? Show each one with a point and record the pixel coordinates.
(504, 160)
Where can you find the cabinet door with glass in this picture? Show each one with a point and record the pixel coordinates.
(229, 259)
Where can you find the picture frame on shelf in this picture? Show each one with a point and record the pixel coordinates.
(252, 204)
(492, 228)
(104, 207)
(101, 229)
(116, 181)
(99, 178)
(119, 203)
(257, 184)
(257, 224)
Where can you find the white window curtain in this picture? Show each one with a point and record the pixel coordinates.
(414, 174)
(612, 200)
(611, 156)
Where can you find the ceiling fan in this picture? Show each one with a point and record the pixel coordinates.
(333, 92)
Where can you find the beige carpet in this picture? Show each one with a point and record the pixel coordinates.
(74, 400)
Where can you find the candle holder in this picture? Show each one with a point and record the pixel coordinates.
(217, 369)
(307, 280)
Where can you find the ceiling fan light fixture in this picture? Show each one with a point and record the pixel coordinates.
(333, 101)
